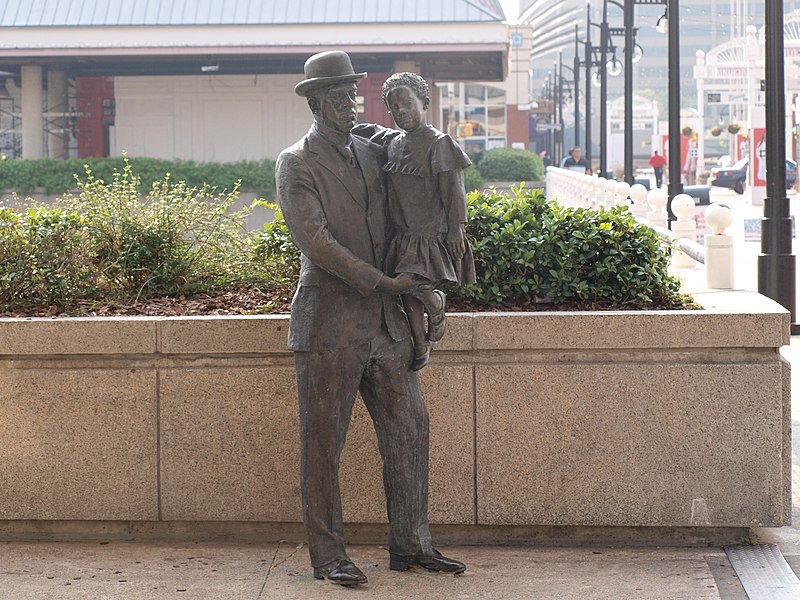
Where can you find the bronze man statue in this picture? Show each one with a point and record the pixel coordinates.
(348, 330)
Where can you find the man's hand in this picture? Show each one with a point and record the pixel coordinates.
(404, 283)
(455, 242)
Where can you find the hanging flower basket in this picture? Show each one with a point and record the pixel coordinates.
(687, 130)
(715, 130)
(734, 128)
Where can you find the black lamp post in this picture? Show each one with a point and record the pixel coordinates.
(546, 95)
(588, 62)
(675, 186)
(628, 25)
(567, 82)
(776, 263)
(576, 69)
(629, 31)
(604, 92)
(558, 146)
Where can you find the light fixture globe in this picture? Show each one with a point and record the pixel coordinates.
(614, 67)
(662, 25)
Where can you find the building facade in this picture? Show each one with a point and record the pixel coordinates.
(214, 80)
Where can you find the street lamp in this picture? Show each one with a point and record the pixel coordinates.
(576, 99)
(576, 67)
(612, 67)
(630, 52)
(776, 263)
(675, 186)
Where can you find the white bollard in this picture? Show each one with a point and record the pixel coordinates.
(685, 227)
(638, 196)
(719, 247)
(657, 200)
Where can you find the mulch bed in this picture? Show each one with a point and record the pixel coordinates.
(244, 302)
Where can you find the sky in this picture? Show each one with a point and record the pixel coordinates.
(510, 7)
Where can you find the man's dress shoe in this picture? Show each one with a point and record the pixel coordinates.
(432, 562)
(342, 572)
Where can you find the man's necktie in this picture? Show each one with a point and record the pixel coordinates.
(347, 154)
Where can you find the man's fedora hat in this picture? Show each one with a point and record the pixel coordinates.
(327, 68)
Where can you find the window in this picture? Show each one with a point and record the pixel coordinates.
(474, 115)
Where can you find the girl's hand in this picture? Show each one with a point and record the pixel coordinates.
(455, 242)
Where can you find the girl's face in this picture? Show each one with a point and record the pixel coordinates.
(406, 109)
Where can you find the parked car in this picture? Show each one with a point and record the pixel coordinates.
(734, 177)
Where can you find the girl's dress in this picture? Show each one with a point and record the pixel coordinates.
(426, 196)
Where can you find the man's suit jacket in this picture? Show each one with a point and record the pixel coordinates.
(342, 236)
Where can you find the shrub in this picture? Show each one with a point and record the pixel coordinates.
(274, 245)
(44, 256)
(510, 164)
(58, 176)
(472, 179)
(527, 247)
(178, 240)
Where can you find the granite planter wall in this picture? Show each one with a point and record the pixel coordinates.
(634, 418)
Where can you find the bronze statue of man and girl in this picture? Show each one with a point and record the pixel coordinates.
(379, 216)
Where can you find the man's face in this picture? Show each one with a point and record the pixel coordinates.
(576, 153)
(339, 107)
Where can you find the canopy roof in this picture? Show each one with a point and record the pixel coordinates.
(82, 13)
(452, 40)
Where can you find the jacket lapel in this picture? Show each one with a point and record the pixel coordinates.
(331, 161)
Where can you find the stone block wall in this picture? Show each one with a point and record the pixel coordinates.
(631, 418)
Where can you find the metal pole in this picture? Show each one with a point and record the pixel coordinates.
(557, 102)
(603, 91)
(674, 87)
(628, 23)
(559, 148)
(776, 263)
(588, 63)
(548, 119)
(576, 69)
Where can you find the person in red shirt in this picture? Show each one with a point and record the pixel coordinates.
(657, 162)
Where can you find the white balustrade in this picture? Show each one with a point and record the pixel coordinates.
(600, 191)
(610, 190)
(657, 201)
(621, 191)
(638, 194)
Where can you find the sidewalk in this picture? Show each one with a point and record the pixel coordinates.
(231, 571)
(138, 571)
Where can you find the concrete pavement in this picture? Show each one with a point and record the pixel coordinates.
(156, 571)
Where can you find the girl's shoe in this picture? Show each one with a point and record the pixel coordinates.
(422, 354)
(436, 318)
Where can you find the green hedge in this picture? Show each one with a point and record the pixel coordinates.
(510, 164)
(58, 176)
(472, 179)
(528, 248)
